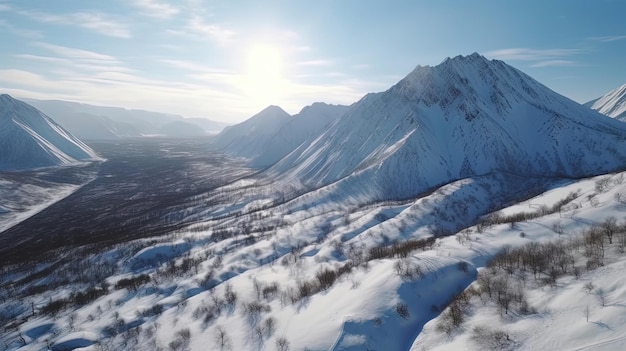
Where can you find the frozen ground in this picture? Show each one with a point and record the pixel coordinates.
(24, 194)
(135, 193)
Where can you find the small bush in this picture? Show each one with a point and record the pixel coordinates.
(486, 338)
(133, 283)
(403, 310)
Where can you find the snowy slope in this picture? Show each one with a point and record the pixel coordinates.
(30, 139)
(467, 116)
(584, 312)
(612, 104)
(248, 138)
(382, 304)
(307, 123)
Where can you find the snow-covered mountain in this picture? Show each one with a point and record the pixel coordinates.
(105, 122)
(272, 134)
(30, 139)
(248, 138)
(309, 122)
(464, 117)
(612, 104)
(89, 126)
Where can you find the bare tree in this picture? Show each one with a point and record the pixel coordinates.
(326, 277)
(601, 294)
(222, 339)
(609, 228)
(282, 344)
(270, 326)
(602, 184)
(589, 287)
(230, 295)
(489, 339)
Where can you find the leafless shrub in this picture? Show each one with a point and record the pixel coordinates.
(402, 310)
(486, 338)
(282, 344)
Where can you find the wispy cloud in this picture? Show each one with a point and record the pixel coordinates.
(526, 54)
(95, 21)
(317, 63)
(117, 89)
(204, 73)
(191, 66)
(74, 53)
(609, 38)
(155, 8)
(64, 61)
(27, 33)
(5, 7)
(539, 58)
(556, 63)
(198, 26)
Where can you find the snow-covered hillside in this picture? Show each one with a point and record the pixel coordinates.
(577, 304)
(612, 104)
(30, 139)
(253, 276)
(467, 116)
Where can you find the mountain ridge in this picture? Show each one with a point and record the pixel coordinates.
(30, 139)
(309, 122)
(246, 139)
(108, 122)
(466, 116)
(281, 132)
(613, 104)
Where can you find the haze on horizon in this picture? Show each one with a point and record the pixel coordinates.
(226, 61)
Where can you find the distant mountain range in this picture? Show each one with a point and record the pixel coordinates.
(103, 122)
(30, 139)
(613, 104)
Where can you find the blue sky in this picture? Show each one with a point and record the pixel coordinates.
(226, 60)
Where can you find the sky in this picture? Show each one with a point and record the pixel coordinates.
(227, 60)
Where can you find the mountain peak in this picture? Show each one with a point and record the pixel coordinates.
(272, 109)
(5, 98)
(466, 82)
(613, 104)
(473, 57)
(30, 139)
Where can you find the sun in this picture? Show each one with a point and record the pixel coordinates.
(264, 79)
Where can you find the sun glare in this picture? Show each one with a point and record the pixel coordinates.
(264, 80)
